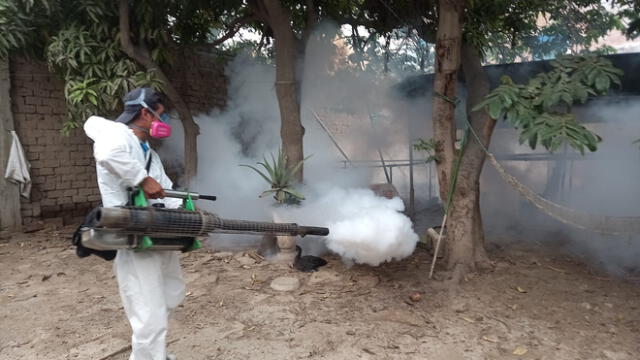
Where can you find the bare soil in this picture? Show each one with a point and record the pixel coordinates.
(54, 305)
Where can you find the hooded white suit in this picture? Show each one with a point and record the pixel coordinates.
(150, 283)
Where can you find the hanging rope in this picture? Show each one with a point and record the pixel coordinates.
(454, 100)
(618, 225)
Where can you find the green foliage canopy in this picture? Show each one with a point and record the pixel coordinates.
(541, 109)
(79, 39)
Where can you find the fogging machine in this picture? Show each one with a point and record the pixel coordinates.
(143, 227)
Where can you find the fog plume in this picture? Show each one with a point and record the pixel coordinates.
(364, 228)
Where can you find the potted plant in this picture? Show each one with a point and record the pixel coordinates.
(281, 181)
(280, 178)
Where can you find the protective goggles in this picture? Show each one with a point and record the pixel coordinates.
(140, 101)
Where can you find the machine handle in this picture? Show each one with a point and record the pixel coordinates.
(177, 194)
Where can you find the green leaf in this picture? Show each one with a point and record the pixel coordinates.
(267, 192)
(265, 177)
(602, 83)
(279, 164)
(297, 167)
(278, 176)
(270, 169)
(294, 193)
(495, 109)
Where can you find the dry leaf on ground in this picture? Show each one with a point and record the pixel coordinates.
(490, 339)
(520, 350)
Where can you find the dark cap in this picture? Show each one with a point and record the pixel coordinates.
(137, 99)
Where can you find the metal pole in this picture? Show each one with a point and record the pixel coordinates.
(384, 166)
(330, 136)
(412, 210)
(435, 254)
(570, 180)
(430, 166)
(563, 179)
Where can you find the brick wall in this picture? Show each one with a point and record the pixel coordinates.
(198, 75)
(62, 168)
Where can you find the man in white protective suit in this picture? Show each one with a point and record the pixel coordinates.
(150, 283)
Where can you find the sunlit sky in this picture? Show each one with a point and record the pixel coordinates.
(615, 38)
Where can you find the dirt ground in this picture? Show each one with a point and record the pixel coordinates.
(54, 305)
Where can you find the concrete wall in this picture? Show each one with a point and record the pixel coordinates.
(62, 168)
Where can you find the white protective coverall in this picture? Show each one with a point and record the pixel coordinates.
(150, 283)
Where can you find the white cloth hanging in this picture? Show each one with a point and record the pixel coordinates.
(18, 166)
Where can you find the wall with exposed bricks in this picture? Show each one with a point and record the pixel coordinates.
(62, 167)
(198, 75)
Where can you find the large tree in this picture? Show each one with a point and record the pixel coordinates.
(630, 11)
(518, 23)
(103, 49)
(278, 19)
(290, 24)
(466, 35)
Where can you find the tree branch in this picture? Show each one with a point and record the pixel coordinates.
(259, 10)
(141, 54)
(234, 27)
(427, 33)
(312, 17)
(312, 14)
(261, 43)
(125, 32)
(312, 21)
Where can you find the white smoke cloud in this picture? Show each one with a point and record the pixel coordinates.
(363, 227)
(601, 183)
(369, 229)
(241, 134)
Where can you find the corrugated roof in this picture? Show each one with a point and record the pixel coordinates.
(521, 72)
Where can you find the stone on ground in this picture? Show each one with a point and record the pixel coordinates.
(285, 283)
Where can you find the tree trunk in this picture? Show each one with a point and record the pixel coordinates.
(555, 181)
(141, 54)
(448, 43)
(465, 232)
(387, 54)
(291, 130)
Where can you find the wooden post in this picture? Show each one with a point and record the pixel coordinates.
(10, 217)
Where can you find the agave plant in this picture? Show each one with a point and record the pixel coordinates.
(280, 177)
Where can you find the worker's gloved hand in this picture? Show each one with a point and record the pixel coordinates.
(152, 188)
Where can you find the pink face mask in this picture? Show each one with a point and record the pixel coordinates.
(160, 130)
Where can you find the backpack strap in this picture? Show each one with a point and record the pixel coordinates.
(148, 166)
